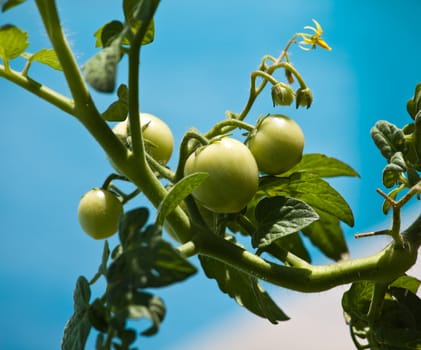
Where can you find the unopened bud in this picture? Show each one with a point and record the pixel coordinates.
(304, 97)
(282, 94)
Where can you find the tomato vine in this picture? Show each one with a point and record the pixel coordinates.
(208, 206)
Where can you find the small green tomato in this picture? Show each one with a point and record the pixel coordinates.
(277, 144)
(158, 137)
(99, 213)
(233, 175)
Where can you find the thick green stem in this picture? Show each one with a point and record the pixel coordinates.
(86, 112)
(386, 265)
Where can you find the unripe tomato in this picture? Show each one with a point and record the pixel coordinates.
(160, 141)
(158, 137)
(99, 213)
(233, 175)
(277, 144)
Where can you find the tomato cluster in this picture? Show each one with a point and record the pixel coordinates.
(274, 146)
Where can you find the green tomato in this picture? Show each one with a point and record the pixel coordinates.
(158, 137)
(99, 213)
(233, 175)
(277, 144)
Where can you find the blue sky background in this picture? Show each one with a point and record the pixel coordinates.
(197, 68)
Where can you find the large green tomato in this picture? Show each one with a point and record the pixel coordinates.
(277, 144)
(158, 137)
(99, 213)
(233, 175)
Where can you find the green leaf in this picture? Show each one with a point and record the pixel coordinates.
(101, 70)
(119, 109)
(177, 194)
(44, 56)
(388, 138)
(397, 326)
(77, 329)
(327, 235)
(310, 189)
(8, 4)
(244, 289)
(131, 225)
(98, 315)
(149, 262)
(280, 216)
(13, 42)
(323, 166)
(393, 170)
(149, 306)
(407, 282)
(136, 13)
(356, 302)
(107, 33)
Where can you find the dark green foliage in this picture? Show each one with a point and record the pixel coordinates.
(398, 322)
(8, 4)
(143, 259)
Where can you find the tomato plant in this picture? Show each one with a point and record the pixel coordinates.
(277, 144)
(99, 213)
(233, 175)
(215, 198)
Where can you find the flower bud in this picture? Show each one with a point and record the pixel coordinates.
(282, 94)
(304, 97)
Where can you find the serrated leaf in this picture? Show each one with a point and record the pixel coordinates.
(327, 235)
(177, 194)
(8, 4)
(107, 33)
(77, 329)
(119, 109)
(323, 166)
(244, 289)
(388, 138)
(45, 56)
(280, 216)
(310, 189)
(13, 42)
(100, 71)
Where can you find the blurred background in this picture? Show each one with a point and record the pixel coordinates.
(197, 68)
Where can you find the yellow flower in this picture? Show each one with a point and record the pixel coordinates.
(313, 39)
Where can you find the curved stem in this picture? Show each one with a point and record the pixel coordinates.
(255, 92)
(186, 148)
(228, 125)
(388, 264)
